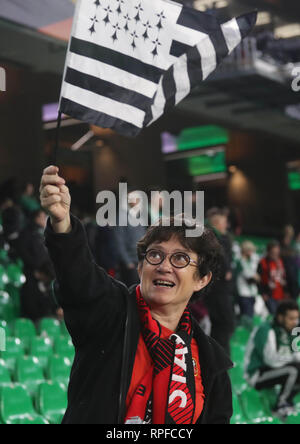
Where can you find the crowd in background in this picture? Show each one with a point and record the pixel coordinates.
(250, 282)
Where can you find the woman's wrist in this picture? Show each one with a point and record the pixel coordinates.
(62, 227)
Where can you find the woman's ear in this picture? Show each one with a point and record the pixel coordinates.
(139, 268)
(203, 281)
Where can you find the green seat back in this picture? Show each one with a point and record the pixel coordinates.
(59, 369)
(52, 401)
(15, 404)
(4, 325)
(25, 330)
(29, 373)
(241, 336)
(15, 275)
(3, 278)
(238, 416)
(33, 420)
(7, 310)
(5, 378)
(49, 327)
(63, 346)
(238, 354)
(237, 379)
(14, 349)
(4, 258)
(253, 406)
(41, 348)
(14, 294)
(293, 419)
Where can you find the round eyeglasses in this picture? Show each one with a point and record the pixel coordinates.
(178, 260)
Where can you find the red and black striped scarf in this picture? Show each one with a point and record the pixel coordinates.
(166, 395)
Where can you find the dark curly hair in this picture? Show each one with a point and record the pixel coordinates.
(207, 247)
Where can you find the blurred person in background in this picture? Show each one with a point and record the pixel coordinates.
(289, 258)
(107, 250)
(28, 201)
(12, 224)
(273, 357)
(272, 277)
(127, 238)
(297, 249)
(247, 280)
(30, 247)
(220, 301)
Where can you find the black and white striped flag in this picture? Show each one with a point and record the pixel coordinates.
(131, 60)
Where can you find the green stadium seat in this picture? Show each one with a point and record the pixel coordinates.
(25, 330)
(14, 294)
(14, 349)
(41, 348)
(63, 346)
(253, 406)
(237, 379)
(241, 336)
(238, 416)
(269, 398)
(59, 369)
(52, 401)
(16, 405)
(4, 324)
(7, 310)
(29, 373)
(4, 258)
(15, 275)
(293, 419)
(5, 378)
(237, 354)
(271, 421)
(3, 278)
(49, 327)
(257, 321)
(39, 420)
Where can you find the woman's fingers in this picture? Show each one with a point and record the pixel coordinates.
(50, 170)
(48, 190)
(47, 202)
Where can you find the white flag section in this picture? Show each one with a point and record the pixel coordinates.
(129, 61)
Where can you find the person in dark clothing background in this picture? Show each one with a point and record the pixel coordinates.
(220, 299)
(30, 247)
(127, 238)
(139, 355)
(289, 258)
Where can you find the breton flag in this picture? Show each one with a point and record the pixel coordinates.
(129, 61)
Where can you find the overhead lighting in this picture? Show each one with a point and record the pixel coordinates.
(263, 18)
(287, 31)
(203, 5)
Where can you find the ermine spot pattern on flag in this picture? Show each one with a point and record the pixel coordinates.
(131, 60)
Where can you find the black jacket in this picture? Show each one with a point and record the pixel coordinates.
(102, 317)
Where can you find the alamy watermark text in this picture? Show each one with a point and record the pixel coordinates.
(134, 209)
(2, 79)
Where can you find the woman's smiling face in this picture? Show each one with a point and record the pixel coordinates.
(166, 285)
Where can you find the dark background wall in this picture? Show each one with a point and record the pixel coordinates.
(257, 188)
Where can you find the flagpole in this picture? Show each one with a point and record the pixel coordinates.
(56, 145)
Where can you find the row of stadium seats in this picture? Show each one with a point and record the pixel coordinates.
(35, 366)
(48, 406)
(34, 371)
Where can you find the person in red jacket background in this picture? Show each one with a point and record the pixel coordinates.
(273, 277)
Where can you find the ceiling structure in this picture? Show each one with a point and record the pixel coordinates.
(252, 98)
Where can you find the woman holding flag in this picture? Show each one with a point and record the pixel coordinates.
(140, 357)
